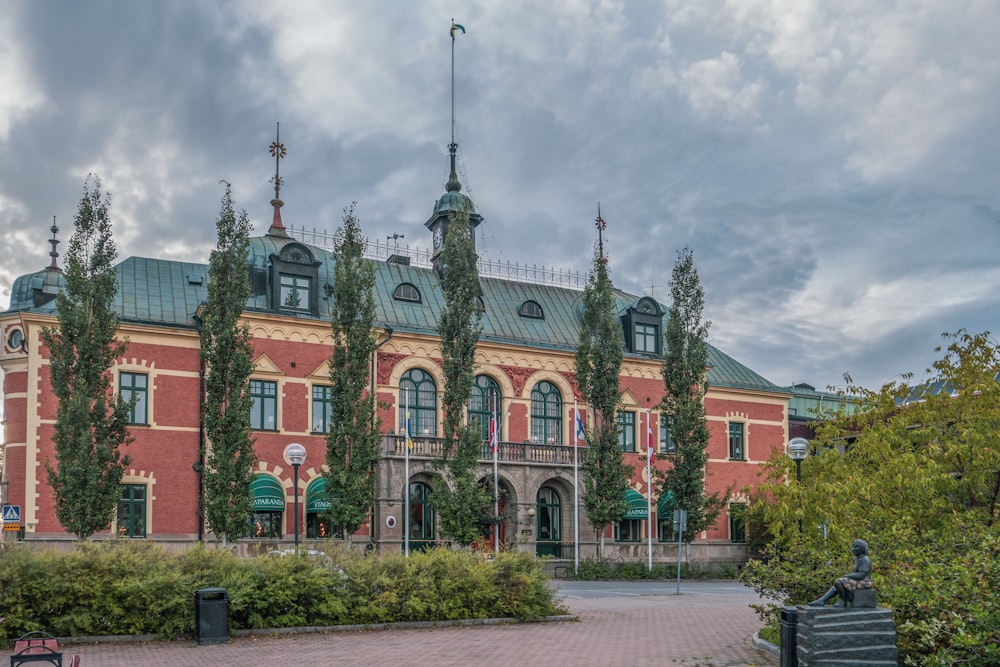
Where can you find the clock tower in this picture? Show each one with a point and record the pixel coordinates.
(452, 201)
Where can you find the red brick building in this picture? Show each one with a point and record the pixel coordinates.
(525, 360)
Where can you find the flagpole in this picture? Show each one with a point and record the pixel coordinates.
(576, 488)
(495, 437)
(649, 490)
(406, 479)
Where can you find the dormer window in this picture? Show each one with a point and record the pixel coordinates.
(296, 292)
(406, 292)
(642, 325)
(293, 280)
(532, 310)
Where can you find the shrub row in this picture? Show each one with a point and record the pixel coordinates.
(593, 570)
(138, 588)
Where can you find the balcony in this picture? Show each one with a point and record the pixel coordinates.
(394, 446)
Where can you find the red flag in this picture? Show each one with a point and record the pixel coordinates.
(493, 433)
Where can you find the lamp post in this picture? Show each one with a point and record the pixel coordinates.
(798, 449)
(295, 455)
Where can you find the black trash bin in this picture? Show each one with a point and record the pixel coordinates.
(211, 616)
(789, 626)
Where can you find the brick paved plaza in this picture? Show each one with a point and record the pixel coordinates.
(631, 623)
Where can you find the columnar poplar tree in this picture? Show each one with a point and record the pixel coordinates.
(598, 364)
(462, 503)
(226, 355)
(91, 420)
(352, 445)
(685, 363)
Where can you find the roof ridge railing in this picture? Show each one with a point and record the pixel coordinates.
(490, 268)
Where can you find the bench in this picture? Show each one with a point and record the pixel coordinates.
(37, 646)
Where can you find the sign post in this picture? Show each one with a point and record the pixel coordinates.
(680, 525)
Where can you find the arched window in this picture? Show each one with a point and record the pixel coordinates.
(406, 292)
(317, 505)
(267, 499)
(532, 310)
(549, 513)
(421, 520)
(485, 401)
(546, 414)
(418, 392)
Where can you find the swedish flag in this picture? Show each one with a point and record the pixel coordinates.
(454, 27)
(409, 435)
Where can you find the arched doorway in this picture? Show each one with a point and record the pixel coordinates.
(548, 523)
(421, 519)
(494, 533)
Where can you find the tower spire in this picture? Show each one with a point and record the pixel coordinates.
(453, 184)
(53, 264)
(277, 150)
(601, 226)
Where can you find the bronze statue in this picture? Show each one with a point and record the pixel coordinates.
(845, 586)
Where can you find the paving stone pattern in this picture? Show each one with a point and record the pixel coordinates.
(691, 630)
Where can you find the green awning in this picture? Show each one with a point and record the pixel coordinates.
(636, 505)
(665, 506)
(267, 493)
(317, 499)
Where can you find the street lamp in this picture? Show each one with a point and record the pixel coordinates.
(295, 455)
(798, 449)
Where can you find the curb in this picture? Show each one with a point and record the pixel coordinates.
(764, 644)
(315, 629)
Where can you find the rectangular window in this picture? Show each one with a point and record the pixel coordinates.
(264, 411)
(134, 385)
(667, 444)
(628, 530)
(737, 446)
(322, 409)
(265, 524)
(646, 338)
(132, 511)
(737, 525)
(296, 292)
(665, 529)
(626, 431)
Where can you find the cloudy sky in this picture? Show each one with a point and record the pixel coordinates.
(832, 165)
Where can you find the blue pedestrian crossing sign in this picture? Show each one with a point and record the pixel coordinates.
(12, 513)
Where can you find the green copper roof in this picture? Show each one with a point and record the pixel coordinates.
(165, 292)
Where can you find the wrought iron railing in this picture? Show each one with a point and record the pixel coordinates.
(382, 251)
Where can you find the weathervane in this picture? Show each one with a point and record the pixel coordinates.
(277, 150)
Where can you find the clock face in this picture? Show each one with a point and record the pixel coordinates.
(438, 236)
(15, 339)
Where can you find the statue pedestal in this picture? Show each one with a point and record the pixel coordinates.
(846, 637)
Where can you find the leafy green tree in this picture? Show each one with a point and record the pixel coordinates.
(685, 363)
(91, 421)
(917, 475)
(462, 503)
(599, 356)
(352, 445)
(227, 355)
